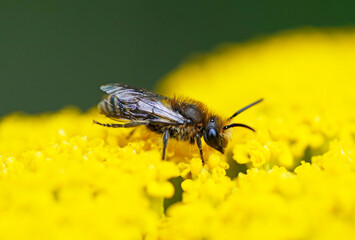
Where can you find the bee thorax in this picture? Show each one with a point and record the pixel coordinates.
(179, 132)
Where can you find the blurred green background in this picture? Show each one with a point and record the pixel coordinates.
(57, 53)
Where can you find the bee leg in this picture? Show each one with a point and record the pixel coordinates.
(123, 125)
(199, 145)
(131, 133)
(165, 142)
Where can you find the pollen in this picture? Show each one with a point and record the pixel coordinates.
(63, 177)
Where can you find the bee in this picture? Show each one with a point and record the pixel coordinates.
(181, 119)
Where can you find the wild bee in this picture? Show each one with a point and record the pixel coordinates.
(182, 119)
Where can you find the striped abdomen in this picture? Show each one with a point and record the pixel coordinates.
(112, 107)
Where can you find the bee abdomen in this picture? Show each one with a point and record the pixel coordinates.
(110, 106)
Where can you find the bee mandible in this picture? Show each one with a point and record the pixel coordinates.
(178, 118)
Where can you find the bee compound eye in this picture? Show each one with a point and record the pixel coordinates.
(212, 133)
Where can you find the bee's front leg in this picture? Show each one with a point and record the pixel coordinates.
(199, 145)
(165, 142)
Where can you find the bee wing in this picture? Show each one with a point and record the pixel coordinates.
(120, 89)
(137, 104)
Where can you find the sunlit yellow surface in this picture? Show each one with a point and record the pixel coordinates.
(62, 177)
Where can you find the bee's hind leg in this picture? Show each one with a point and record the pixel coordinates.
(123, 125)
(165, 142)
(130, 134)
(199, 145)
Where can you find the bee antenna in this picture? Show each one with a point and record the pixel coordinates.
(244, 108)
(238, 125)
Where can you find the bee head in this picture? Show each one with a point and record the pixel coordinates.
(213, 134)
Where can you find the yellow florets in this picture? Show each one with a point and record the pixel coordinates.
(63, 177)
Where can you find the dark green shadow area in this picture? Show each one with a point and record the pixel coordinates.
(234, 167)
(57, 53)
(178, 193)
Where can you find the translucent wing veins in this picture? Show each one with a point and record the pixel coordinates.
(139, 104)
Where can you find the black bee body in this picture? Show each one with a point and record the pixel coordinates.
(182, 119)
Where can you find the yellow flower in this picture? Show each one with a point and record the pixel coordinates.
(62, 177)
(306, 79)
(79, 181)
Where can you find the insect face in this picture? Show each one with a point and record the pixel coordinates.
(213, 134)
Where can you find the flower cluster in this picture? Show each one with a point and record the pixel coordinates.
(306, 79)
(63, 177)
